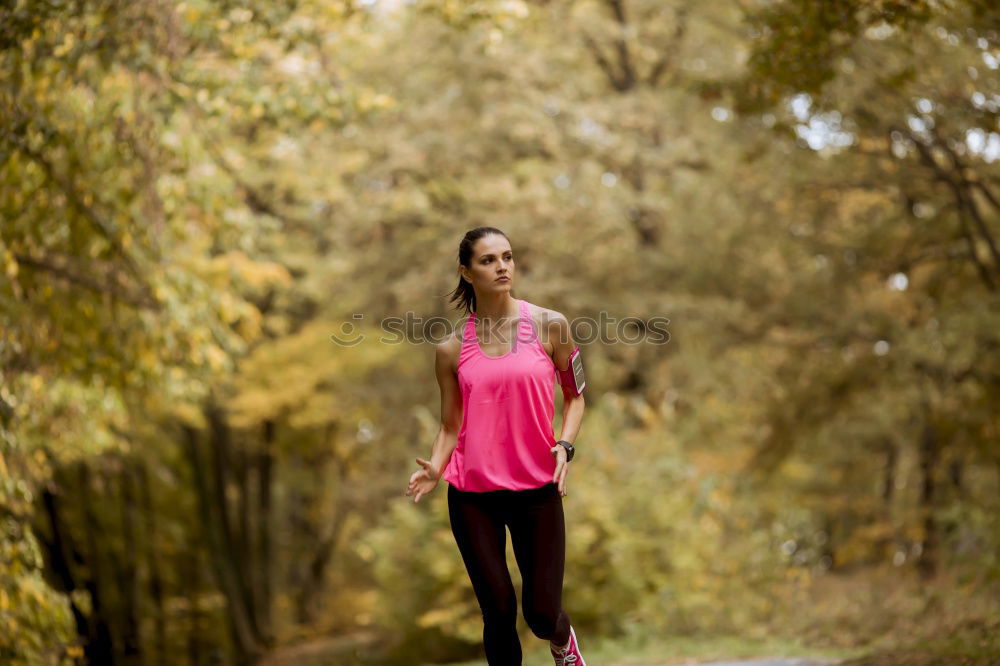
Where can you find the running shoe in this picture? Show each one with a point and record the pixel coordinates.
(570, 655)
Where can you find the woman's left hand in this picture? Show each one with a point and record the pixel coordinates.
(562, 467)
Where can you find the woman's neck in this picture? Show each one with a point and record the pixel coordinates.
(496, 307)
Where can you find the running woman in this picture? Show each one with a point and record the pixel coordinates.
(497, 450)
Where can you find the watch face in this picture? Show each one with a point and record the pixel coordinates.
(569, 450)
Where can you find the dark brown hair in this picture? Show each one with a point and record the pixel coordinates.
(464, 294)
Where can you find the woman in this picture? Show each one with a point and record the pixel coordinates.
(497, 404)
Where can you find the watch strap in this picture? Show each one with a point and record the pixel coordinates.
(570, 449)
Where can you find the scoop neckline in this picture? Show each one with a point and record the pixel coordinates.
(475, 338)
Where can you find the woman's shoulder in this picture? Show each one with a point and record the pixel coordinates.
(546, 319)
(450, 348)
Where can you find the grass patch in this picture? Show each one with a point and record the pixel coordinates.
(657, 651)
(871, 617)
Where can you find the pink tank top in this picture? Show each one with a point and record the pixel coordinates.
(508, 404)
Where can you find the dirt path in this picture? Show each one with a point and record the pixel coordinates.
(774, 662)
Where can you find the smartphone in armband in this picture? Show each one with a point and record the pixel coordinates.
(573, 377)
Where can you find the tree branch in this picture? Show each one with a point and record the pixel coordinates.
(671, 52)
(141, 301)
(602, 62)
(928, 159)
(103, 227)
(621, 45)
(965, 191)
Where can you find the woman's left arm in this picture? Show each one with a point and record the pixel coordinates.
(573, 405)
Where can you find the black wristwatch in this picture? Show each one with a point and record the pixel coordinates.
(569, 449)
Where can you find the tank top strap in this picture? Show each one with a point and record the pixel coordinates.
(469, 334)
(527, 330)
(470, 346)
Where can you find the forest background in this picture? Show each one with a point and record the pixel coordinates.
(196, 195)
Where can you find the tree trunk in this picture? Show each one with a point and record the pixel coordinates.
(100, 646)
(195, 646)
(153, 562)
(892, 542)
(265, 467)
(244, 637)
(234, 560)
(329, 540)
(132, 637)
(956, 472)
(59, 549)
(245, 536)
(889, 476)
(927, 564)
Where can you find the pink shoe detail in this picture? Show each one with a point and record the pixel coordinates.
(571, 655)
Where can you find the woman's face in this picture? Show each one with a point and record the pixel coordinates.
(492, 260)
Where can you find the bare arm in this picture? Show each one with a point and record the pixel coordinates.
(451, 404)
(425, 479)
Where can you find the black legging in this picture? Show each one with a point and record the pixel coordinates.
(538, 534)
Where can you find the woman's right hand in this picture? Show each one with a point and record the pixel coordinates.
(423, 480)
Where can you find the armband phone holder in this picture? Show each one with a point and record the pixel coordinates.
(572, 377)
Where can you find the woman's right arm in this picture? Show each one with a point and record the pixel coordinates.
(445, 364)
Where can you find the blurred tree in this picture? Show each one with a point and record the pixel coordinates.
(899, 101)
(117, 303)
